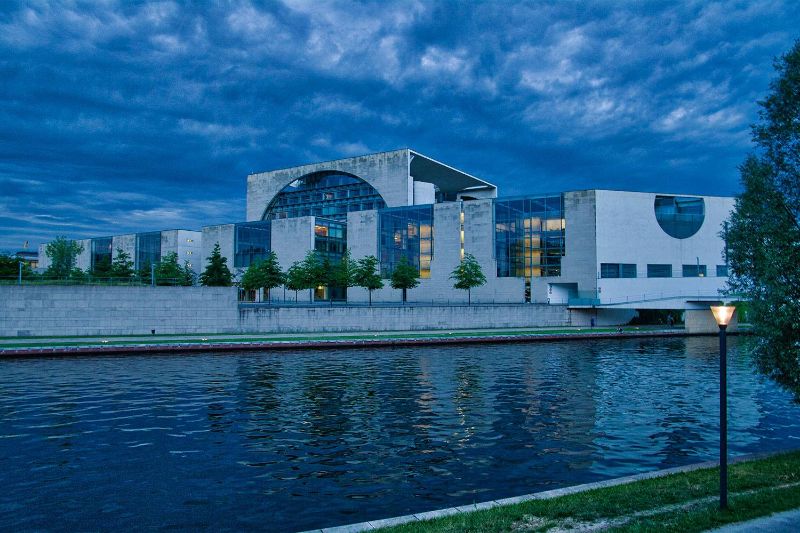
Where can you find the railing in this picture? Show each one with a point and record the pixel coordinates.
(88, 280)
(650, 297)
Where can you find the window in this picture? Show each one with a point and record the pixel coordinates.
(340, 194)
(101, 252)
(694, 271)
(148, 249)
(679, 216)
(659, 271)
(529, 236)
(252, 242)
(617, 270)
(406, 232)
(722, 271)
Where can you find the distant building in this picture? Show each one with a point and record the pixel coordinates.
(28, 256)
(143, 248)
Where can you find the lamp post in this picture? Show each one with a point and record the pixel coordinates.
(723, 315)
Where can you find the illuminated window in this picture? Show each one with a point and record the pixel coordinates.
(406, 232)
(529, 236)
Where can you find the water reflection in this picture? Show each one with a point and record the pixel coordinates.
(295, 441)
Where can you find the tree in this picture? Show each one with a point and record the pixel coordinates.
(468, 275)
(778, 132)
(265, 274)
(102, 268)
(342, 274)
(295, 278)
(168, 271)
(9, 268)
(314, 272)
(122, 266)
(63, 255)
(366, 275)
(145, 272)
(404, 276)
(188, 277)
(216, 273)
(763, 236)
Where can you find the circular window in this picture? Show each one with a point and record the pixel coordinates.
(680, 216)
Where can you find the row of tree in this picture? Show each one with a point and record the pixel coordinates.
(315, 270)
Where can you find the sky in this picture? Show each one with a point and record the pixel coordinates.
(119, 117)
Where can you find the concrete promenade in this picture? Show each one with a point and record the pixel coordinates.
(31, 346)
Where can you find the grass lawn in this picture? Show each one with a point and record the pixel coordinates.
(679, 502)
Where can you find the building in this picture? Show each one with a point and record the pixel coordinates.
(599, 251)
(143, 248)
(30, 257)
(602, 253)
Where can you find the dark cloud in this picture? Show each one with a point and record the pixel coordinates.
(122, 116)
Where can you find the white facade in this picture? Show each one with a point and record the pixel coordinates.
(619, 227)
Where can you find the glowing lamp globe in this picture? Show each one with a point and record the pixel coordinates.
(723, 314)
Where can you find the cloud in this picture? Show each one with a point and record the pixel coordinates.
(119, 117)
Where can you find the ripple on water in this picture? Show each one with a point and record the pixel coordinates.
(231, 442)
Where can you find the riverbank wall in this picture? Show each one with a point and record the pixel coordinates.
(101, 310)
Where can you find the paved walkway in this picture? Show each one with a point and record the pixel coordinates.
(13, 347)
(786, 522)
(233, 337)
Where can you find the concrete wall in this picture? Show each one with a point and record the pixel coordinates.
(96, 310)
(387, 172)
(186, 244)
(210, 236)
(702, 321)
(579, 264)
(628, 232)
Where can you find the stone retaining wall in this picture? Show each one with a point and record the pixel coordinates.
(95, 310)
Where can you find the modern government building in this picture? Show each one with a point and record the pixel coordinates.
(601, 250)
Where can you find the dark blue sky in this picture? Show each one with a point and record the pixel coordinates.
(125, 116)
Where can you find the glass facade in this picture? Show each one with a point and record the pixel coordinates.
(324, 194)
(722, 271)
(659, 271)
(617, 270)
(406, 232)
(330, 239)
(101, 251)
(252, 242)
(529, 236)
(679, 216)
(148, 248)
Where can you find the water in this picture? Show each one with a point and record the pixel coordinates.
(282, 441)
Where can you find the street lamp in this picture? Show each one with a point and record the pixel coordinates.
(723, 315)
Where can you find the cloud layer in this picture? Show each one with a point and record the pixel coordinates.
(121, 117)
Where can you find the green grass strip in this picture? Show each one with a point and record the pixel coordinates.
(682, 502)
